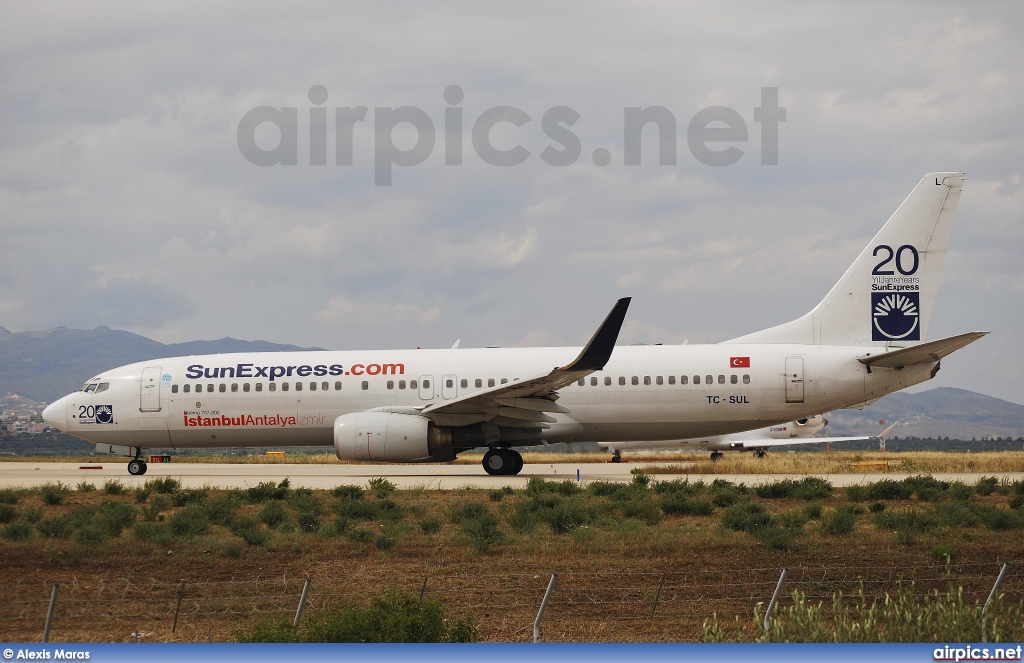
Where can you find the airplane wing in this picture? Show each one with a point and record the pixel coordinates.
(527, 401)
(925, 353)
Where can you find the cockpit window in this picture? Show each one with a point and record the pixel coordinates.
(102, 386)
(89, 388)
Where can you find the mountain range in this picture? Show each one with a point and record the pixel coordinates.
(44, 365)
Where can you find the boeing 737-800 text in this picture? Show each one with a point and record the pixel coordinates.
(865, 339)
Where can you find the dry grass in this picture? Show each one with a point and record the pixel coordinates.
(841, 462)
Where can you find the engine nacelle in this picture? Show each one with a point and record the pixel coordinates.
(390, 436)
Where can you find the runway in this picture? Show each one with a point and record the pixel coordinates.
(429, 477)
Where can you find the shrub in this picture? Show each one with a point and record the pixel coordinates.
(91, 534)
(794, 519)
(381, 486)
(999, 519)
(360, 536)
(162, 485)
(679, 504)
(910, 521)
(496, 495)
(857, 493)
(724, 497)
(522, 520)
(348, 492)
(927, 488)
(56, 527)
(813, 511)
(1016, 502)
(643, 508)
(777, 538)
(746, 517)
(268, 490)
(957, 515)
(887, 489)
(154, 532)
(840, 521)
(222, 509)
(482, 531)
(943, 553)
(467, 511)
(141, 493)
(191, 521)
(7, 513)
(53, 494)
(115, 516)
(877, 507)
(249, 529)
(960, 491)
(309, 521)
(680, 487)
(358, 509)
(640, 477)
(430, 525)
(152, 510)
(273, 514)
(18, 532)
(395, 617)
(85, 487)
(187, 496)
(812, 488)
(114, 487)
(606, 489)
(987, 485)
(776, 490)
(32, 515)
(567, 515)
(8, 496)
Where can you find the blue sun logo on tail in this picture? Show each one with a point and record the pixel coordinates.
(896, 316)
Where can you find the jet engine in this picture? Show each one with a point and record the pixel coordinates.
(391, 436)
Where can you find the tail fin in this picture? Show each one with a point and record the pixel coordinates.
(886, 296)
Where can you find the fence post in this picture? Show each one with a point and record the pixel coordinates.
(49, 613)
(543, 605)
(658, 595)
(423, 589)
(177, 609)
(302, 602)
(771, 604)
(991, 596)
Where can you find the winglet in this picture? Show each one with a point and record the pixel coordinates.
(599, 349)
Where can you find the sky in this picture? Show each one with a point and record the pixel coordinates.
(129, 196)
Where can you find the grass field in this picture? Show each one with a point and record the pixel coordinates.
(684, 552)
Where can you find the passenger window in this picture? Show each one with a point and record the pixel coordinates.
(366, 385)
(245, 386)
(209, 388)
(622, 380)
(401, 384)
(582, 382)
(671, 379)
(607, 382)
(412, 384)
(426, 384)
(746, 379)
(464, 383)
(298, 386)
(337, 386)
(696, 379)
(174, 388)
(504, 380)
(185, 388)
(449, 383)
(273, 386)
(234, 387)
(490, 382)
(647, 379)
(479, 383)
(659, 380)
(259, 386)
(683, 379)
(734, 379)
(721, 379)
(709, 379)
(391, 384)
(593, 382)
(324, 386)
(284, 386)
(635, 380)
(223, 387)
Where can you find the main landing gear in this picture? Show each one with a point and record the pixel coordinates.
(137, 467)
(760, 453)
(616, 456)
(716, 456)
(503, 462)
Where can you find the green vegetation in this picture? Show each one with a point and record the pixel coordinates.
(395, 617)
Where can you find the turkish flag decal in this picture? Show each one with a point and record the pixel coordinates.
(739, 362)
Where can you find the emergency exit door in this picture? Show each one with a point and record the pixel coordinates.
(794, 379)
(149, 390)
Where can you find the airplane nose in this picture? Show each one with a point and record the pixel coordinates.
(56, 414)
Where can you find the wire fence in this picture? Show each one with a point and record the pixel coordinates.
(617, 605)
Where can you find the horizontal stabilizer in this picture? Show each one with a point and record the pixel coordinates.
(926, 353)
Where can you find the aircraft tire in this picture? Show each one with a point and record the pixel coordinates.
(137, 467)
(517, 464)
(497, 462)
(716, 456)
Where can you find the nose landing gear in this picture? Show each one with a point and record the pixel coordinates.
(137, 467)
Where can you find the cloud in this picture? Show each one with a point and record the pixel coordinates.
(345, 310)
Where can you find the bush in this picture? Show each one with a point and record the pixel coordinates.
(7, 513)
(115, 487)
(887, 489)
(640, 477)
(794, 519)
(776, 490)
(53, 494)
(358, 509)
(777, 538)
(8, 496)
(857, 493)
(91, 534)
(395, 617)
(273, 514)
(482, 531)
(187, 496)
(960, 491)
(141, 494)
(877, 507)
(607, 489)
(680, 505)
(467, 511)
(1016, 502)
(153, 532)
(643, 508)
(906, 522)
(191, 521)
(381, 486)
(680, 487)
(348, 492)
(943, 553)
(56, 527)
(957, 515)
(309, 521)
(85, 487)
(152, 510)
(724, 497)
(999, 519)
(18, 532)
(812, 488)
(567, 515)
(249, 529)
(430, 525)
(496, 495)
(987, 485)
(927, 488)
(840, 521)
(115, 516)
(222, 509)
(268, 490)
(746, 517)
(162, 485)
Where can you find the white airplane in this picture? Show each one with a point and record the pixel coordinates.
(865, 339)
(799, 431)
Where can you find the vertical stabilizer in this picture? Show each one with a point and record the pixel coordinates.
(886, 297)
